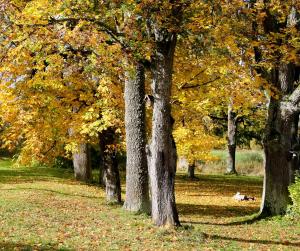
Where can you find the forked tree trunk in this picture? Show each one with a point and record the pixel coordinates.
(137, 189)
(163, 151)
(82, 163)
(110, 166)
(231, 139)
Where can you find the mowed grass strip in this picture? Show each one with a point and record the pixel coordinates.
(45, 209)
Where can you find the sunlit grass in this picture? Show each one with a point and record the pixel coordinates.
(45, 209)
(248, 162)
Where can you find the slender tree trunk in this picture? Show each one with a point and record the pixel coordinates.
(191, 170)
(163, 151)
(231, 139)
(82, 163)
(137, 189)
(110, 166)
(279, 142)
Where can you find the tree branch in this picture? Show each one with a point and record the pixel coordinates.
(193, 78)
(201, 84)
(218, 118)
(295, 96)
(106, 28)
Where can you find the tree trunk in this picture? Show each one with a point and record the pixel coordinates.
(137, 189)
(82, 163)
(191, 171)
(110, 166)
(231, 139)
(281, 133)
(281, 139)
(162, 150)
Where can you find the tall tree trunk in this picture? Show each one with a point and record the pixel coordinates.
(163, 151)
(281, 129)
(82, 163)
(110, 166)
(137, 189)
(281, 137)
(231, 139)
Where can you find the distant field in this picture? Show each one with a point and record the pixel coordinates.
(248, 162)
(46, 209)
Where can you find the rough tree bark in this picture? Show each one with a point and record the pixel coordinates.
(279, 142)
(281, 130)
(137, 188)
(110, 166)
(82, 163)
(231, 139)
(162, 149)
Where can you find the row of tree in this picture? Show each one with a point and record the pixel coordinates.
(65, 66)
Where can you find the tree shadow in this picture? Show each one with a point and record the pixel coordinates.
(215, 210)
(28, 247)
(51, 191)
(27, 175)
(266, 242)
(249, 221)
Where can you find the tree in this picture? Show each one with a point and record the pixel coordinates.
(137, 190)
(82, 163)
(110, 165)
(280, 25)
(163, 154)
(60, 78)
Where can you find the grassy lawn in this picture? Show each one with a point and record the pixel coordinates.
(45, 209)
(248, 162)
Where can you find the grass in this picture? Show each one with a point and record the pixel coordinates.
(248, 162)
(45, 209)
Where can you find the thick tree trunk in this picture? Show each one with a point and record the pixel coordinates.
(163, 151)
(281, 139)
(280, 162)
(82, 163)
(231, 139)
(137, 189)
(281, 130)
(110, 166)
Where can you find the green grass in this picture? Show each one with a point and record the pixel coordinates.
(45, 209)
(248, 162)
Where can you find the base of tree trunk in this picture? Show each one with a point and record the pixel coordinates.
(231, 172)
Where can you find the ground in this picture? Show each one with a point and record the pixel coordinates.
(45, 209)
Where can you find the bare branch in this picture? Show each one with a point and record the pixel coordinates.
(201, 84)
(193, 78)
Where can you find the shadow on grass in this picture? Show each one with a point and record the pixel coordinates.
(228, 179)
(13, 174)
(215, 210)
(51, 191)
(250, 220)
(25, 247)
(220, 184)
(266, 242)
